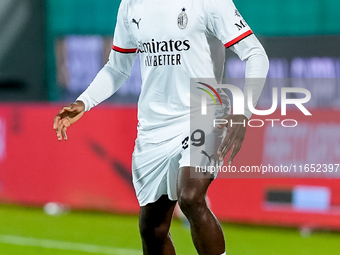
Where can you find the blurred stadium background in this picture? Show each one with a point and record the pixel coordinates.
(50, 50)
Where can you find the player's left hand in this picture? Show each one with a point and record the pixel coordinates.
(234, 137)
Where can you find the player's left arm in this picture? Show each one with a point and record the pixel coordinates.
(225, 22)
(250, 50)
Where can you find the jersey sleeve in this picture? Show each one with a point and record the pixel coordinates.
(123, 40)
(257, 65)
(224, 21)
(112, 76)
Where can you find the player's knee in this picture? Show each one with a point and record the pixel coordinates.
(161, 232)
(190, 202)
(150, 232)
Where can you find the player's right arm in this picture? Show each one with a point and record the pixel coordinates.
(68, 115)
(108, 80)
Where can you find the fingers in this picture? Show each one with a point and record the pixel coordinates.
(60, 128)
(233, 139)
(236, 149)
(56, 126)
(55, 122)
(60, 125)
(224, 143)
(225, 148)
(63, 132)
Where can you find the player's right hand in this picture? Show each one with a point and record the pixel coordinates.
(68, 115)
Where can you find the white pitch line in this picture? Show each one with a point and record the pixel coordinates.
(70, 246)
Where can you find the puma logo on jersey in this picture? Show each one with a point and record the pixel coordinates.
(137, 23)
(206, 154)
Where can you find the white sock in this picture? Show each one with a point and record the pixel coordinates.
(224, 253)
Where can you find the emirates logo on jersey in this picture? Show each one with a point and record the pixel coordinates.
(182, 19)
(160, 53)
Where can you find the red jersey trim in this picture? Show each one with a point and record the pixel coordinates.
(239, 38)
(121, 50)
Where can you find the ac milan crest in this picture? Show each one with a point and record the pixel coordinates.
(182, 19)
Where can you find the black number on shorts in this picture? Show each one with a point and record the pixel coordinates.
(198, 137)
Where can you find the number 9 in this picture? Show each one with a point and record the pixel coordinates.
(198, 141)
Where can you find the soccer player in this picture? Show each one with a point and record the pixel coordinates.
(175, 41)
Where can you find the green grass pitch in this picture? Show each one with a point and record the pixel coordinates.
(30, 231)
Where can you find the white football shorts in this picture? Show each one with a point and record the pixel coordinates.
(155, 165)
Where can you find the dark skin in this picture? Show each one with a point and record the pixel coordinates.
(154, 224)
(67, 116)
(155, 218)
(205, 229)
(234, 137)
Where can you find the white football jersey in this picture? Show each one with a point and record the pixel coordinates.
(173, 40)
